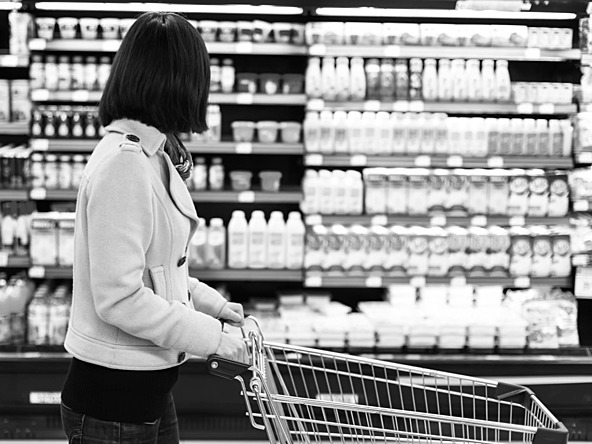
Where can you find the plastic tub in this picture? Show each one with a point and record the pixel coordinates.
(244, 32)
(292, 84)
(208, 30)
(89, 28)
(227, 32)
(261, 31)
(67, 27)
(298, 34)
(290, 132)
(243, 131)
(110, 28)
(282, 32)
(125, 25)
(270, 180)
(241, 180)
(45, 27)
(246, 83)
(269, 83)
(267, 131)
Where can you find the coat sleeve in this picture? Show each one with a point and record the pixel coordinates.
(205, 298)
(120, 229)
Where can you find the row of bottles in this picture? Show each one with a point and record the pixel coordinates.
(48, 315)
(64, 73)
(66, 122)
(15, 227)
(15, 293)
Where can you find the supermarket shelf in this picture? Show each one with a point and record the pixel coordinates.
(476, 108)
(14, 128)
(10, 261)
(50, 272)
(526, 54)
(424, 161)
(380, 280)
(18, 195)
(281, 197)
(244, 148)
(13, 61)
(64, 145)
(81, 96)
(584, 158)
(48, 194)
(434, 220)
(80, 45)
(247, 275)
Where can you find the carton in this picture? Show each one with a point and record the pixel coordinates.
(560, 243)
(397, 249)
(376, 190)
(356, 243)
(499, 251)
(518, 201)
(438, 252)
(478, 248)
(378, 248)
(418, 250)
(558, 195)
(458, 190)
(437, 192)
(538, 202)
(520, 252)
(542, 252)
(418, 191)
(458, 242)
(478, 192)
(397, 191)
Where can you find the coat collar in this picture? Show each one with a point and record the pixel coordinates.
(151, 139)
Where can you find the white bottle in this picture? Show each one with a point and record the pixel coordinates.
(326, 202)
(430, 81)
(384, 133)
(51, 73)
(339, 190)
(355, 193)
(459, 76)
(355, 134)
(216, 248)
(311, 191)
(487, 81)
(445, 80)
(294, 241)
(327, 133)
(479, 148)
(198, 246)
(586, 83)
(257, 240)
(342, 79)
(276, 241)
(357, 79)
(312, 132)
(329, 79)
(474, 81)
(227, 76)
(238, 240)
(341, 145)
(503, 85)
(369, 129)
(314, 84)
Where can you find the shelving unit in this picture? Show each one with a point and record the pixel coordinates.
(14, 128)
(17, 195)
(13, 61)
(263, 197)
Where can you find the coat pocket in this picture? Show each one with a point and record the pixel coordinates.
(158, 281)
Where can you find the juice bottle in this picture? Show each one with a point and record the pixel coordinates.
(369, 129)
(257, 240)
(503, 85)
(357, 79)
(474, 81)
(58, 314)
(238, 240)
(384, 133)
(459, 76)
(355, 134)
(199, 176)
(586, 83)
(339, 190)
(276, 241)
(51, 73)
(294, 241)
(429, 86)
(327, 132)
(487, 81)
(441, 134)
(314, 85)
(215, 76)
(342, 76)
(310, 188)
(8, 228)
(198, 246)
(400, 126)
(402, 80)
(227, 76)
(216, 244)
(328, 78)
(216, 174)
(445, 80)
(312, 132)
(326, 202)
(355, 192)
(341, 139)
(373, 74)
(543, 138)
(387, 79)
(38, 317)
(415, 79)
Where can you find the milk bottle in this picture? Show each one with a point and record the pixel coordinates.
(480, 141)
(198, 246)
(384, 133)
(430, 81)
(276, 241)
(474, 81)
(543, 144)
(413, 133)
(397, 192)
(342, 76)
(355, 192)
(314, 85)
(418, 251)
(438, 252)
(356, 248)
(399, 125)
(326, 201)
(445, 80)
(558, 195)
(441, 134)
(5, 311)
(328, 79)
(487, 81)
(257, 240)
(341, 132)
(312, 132)
(355, 133)
(459, 76)
(310, 188)
(38, 318)
(238, 240)
(294, 241)
(521, 252)
(327, 132)
(339, 187)
(216, 245)
(369, 130)
(499, 191)
(503, 85)
(357, 79)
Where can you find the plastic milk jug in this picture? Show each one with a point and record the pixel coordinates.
(294, 241)
(257, 240)
(312, 132)
(314, 85)
(342, 79)
(238, 240)
(357, 79)
(487, 81)
(310, 187)
(276, 241)
(328, 79)
(198, 246)
(216, 247)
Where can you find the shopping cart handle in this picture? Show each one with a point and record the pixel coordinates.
(225, 368)
(514, 393)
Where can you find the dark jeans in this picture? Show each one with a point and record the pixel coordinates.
(83, 429)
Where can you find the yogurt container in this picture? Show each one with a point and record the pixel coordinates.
(89, 28)
(125, 25)
(208, 30)
(290, 132)
(67, 27)
(292, 84)
(243, 131)
(45, 27)
(110, 28)
(241, 180)
(269, 83)
(270, 180)
(282, 32)
(261, 31)
(267, 131)
(227, 31)
(246, 83)
(244, 31)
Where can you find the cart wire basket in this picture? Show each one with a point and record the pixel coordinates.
(305, 395)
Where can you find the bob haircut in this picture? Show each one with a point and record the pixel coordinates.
(160, 76)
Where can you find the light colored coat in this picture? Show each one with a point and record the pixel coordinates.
(134, 305)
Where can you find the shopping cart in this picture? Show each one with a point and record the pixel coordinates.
(300, 394)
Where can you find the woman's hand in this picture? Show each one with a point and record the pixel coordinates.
(233, 348)
(232, 314)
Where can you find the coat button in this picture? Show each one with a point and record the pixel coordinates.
(181, 357)
(182, 261)
(189, 296)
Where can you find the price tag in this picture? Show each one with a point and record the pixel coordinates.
(37, 44)
(379, 219)
(392, 51)
(479, 221)
(314, 219)
(314, 159)
(522, 282)
(244, 148)
(416, 106)
(313, 281)
(80, 96)
(316, 104)
(244, 48)
(517, 221)
(318, 50)
(585, 158)
(458, 281)
(244, 98)
(374, 281)
(3, 258)
(418, 281)
(246, 197)
(454, 161)
(438, 221)
(40, 95)
(45, 398)
(532, 53)
(9, 60)
(38, 193)
(40, 144)
(579, 260)
(423, 161)
(495, 162)
(37, 272)
(372, 105)
(583, 283)
(581, 205)
(111, 45)
(401, 106)
(547, 108)
(358, 160)
(525, 108)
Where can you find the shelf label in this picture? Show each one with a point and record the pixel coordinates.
(80, 96)
(317, 50)
(522, 282)
(37, 44)
(417, 106)
(314, 159)
(358, 160)
(316, 104)
(525, 108)
(438, 221)
(40, 95)
(379, 219)
(244, 148)
(372, 105)
(583, 283)
(479, 221)
(3, 258)
(314, 219)
(418, 281)
(458, 281)
(246, 197)
(401, 106)
(111, 45)
(312, 280)
(547, 108)
(454, 161)
(244, 98)
(9, 60)
(532, 53)
(38, 193)
(585, 158)
(37, 272)
(244, 47)
(40, 144)
(393, 51)
(495, 162)
(45, 398)
(374, 281)
(423, 161)
(581, 205)
(517, 221)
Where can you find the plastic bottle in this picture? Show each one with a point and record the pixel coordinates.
(341, 145)
(59, 313)
(544, 141)
(503, 86)
(294, 241)
(198, 246)
(327, 133)
(51, 73)
(415, 79)
(8, 228)
(402, 80)
(328, 79)
(342, 79)
(445, 80)
(310, 189)
(355, 193)
(227, 76)
(384, 133)
(77, 73)
(459, 78)
(355, 134)
(276, 241)
(487, 81)
(216, 174)
(37, 72)
(372, 70)
(369, 130)
(339, 191)
(387, 79)
(474, 81)
(103, 71)
(38, 318)
(90, 73)
(312, 132)
(326, 202)
(5, 309)
(215, 76)
(357, 79)
(238, 240)
(430, 81)
(257, 240)
(199, 176)
(314, 84)
(216, 246)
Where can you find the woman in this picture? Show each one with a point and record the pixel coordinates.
(136, 314)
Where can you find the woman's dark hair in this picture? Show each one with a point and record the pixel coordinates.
(160, 76)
